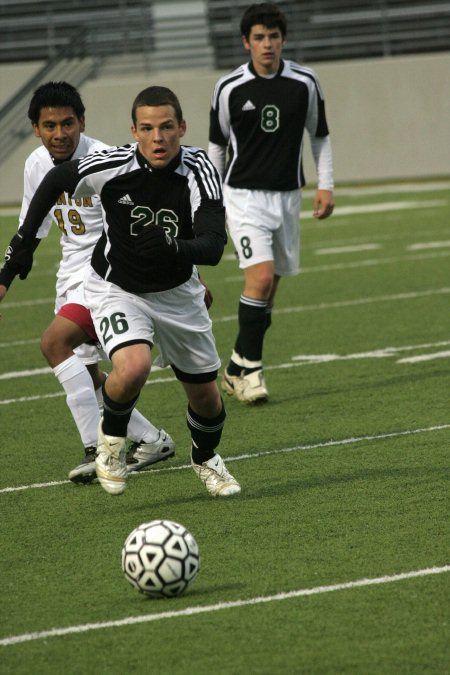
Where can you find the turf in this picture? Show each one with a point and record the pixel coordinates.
(344, 475)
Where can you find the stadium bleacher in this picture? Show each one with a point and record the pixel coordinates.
(80, 40)
(332, 30)
(32, 30)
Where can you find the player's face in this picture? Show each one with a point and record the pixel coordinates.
(265, 46)
(59, 130)
(158, 134)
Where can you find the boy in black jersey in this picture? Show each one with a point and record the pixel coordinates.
(163, 215)
(259, 113)
(57, 114)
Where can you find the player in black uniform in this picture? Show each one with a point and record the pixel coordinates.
(259, 113)
(163, 215)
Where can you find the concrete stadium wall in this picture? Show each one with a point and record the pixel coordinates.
(389, 118)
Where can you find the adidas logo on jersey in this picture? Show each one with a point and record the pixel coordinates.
(126, 199)
(248, 106)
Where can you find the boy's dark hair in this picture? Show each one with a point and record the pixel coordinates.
(156, 96)
(267, 15)
(55, 95)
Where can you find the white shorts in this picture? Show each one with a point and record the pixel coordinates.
(176, 320)
(265, 225)
(87, 353)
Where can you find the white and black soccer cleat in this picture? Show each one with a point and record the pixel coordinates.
(85, 473)
(140, 455)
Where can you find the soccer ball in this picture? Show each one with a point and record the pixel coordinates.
(160, 558)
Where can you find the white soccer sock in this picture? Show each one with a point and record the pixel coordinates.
(141, 429)
(237, 359)
(99, 397)
(80, 398)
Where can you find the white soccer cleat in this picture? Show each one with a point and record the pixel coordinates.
(142, 454)
(218, 480)
(250, 388)
(110, 462)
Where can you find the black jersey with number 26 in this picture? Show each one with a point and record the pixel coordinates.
(262, 121)
(185, 198)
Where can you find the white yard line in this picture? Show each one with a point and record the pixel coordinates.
(359, 209)
(385, 352)
(220, 606)
(348, 303)
(27, 303)
(426, 245)
(354, 191)
(352, 440)
(297, 360)
(425, 357)
(56, 394)
(356, 248)
(13, 375)
(370, 262)
(19, 343)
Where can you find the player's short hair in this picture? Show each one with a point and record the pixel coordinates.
(264, 14)
(156, 96)
(55, 95)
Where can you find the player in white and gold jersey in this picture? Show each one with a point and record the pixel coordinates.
(69, 343)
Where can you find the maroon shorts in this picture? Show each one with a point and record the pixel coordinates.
(81, 316)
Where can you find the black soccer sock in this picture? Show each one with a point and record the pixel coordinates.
(116, 415)
(252, 327)
(205, 433)
(268, 317)
(236, 363)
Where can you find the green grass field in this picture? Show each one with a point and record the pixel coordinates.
(335, 558)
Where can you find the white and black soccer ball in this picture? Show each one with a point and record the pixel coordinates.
(160, 558)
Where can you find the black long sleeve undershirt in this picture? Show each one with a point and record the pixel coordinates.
(43, 199)
(206, 249)
(62, 178)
